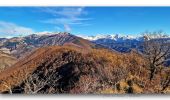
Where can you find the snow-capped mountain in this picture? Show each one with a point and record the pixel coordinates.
(124, 43)
(115, 37)
(121, 43)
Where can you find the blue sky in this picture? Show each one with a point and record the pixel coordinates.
(20, 21)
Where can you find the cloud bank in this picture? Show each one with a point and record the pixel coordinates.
(8, 29)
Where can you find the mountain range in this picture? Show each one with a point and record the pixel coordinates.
(22, 45)
(117, 42)
(65, 63)
(19, 46)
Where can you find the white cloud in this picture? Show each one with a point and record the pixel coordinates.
(10, 29)
(67, 28)
(66, 16)
(70, 12)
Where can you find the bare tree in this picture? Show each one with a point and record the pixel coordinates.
(156, 50)
(36, 82)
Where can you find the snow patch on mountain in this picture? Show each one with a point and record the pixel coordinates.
(115, 37)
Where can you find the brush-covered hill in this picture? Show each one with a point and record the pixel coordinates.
(69, 69)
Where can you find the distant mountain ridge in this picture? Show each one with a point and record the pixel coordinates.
(116, 37)
(19, 46)
(117, 42)
(121, 43)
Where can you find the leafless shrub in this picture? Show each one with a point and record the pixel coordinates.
(156, 50)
